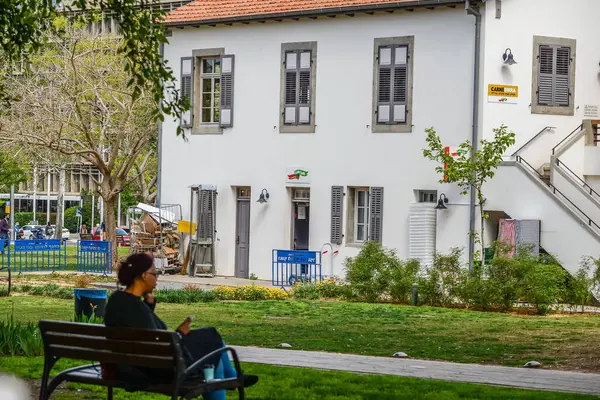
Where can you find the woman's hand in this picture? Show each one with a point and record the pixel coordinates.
(149, 298)
(185, 326)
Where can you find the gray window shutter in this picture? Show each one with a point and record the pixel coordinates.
(304, 88)
(392, 84)
(400, 87)
(187, 88)
(337, 204)
(207, 213)
(562, 76)
(376, 214)
(384, 85)
(298, 71)
(226, 106)
(546, 75)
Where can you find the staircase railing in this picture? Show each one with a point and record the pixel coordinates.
(573, 174)
(578, 129)
(533, 138)
(557, 192)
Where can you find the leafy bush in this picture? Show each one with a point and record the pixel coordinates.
(20, 339)
(440, 285)
(71, 219)
(24, 218)
(305, 291)
(249, 293)
(331, 288)
(403, 277)
(184, 296)
(82, 281)
(544, 285)
(369, 273)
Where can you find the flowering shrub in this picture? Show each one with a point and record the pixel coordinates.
(249, 293)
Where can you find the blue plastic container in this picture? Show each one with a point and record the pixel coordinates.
(90, 302)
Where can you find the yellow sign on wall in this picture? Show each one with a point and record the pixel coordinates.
(503, 94)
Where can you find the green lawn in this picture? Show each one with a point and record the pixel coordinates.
(281, 383)
(565, 342)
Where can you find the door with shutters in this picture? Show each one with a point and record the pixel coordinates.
(242, 242)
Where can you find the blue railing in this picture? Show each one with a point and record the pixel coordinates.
(292, 266)
(22, 256)
(94, 256)
(51, 255)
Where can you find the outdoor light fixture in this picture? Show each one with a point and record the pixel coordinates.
(442, 201)
(508, 57)
(264, 196)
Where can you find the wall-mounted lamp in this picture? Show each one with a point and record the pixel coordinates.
(264, 196)
(442, 201)
(508, 57)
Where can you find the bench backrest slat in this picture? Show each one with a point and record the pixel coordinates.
(124, 346)
(109, 357)
(117, 346)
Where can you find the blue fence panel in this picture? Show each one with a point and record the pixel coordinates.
(44, 255)
(291, 266)
(94, 256)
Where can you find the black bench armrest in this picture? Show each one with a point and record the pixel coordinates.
(198, 364)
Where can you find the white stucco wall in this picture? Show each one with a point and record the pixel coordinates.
(562, 234)
(522, 20)
(343, 151)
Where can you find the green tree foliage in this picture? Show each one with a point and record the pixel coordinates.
(471, 169)
(12, 172)
(25, 26)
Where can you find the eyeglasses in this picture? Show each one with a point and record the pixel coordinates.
(152, 273)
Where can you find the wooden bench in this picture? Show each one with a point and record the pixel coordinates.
(107, 347)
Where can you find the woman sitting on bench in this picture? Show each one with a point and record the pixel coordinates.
(125, 309)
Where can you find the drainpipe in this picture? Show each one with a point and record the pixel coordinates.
(477, 55)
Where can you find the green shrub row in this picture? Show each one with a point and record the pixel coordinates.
(377, 274)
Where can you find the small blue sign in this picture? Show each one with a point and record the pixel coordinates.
(296, 257)
(28, 246)
(94, 246)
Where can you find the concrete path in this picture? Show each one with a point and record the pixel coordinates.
(216, 281)
(537, 379)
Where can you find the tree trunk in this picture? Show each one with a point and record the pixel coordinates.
(110, 222)
(60, 202)
(35, 183)
(482, 239)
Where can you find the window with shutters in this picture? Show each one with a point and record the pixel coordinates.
(207, 81)
(365, 211)
(210, 90)
(298, 72)
(392, 84)
(553, 89)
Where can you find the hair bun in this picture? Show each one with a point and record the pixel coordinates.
(133, 268)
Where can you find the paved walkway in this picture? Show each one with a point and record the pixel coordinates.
(538, 379)
(216, 281)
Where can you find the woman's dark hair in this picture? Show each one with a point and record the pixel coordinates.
(133, 267)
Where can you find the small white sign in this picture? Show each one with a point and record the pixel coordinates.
(301, 212)
(590, 111)
(297, 175)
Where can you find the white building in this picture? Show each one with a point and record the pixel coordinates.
(324, 106)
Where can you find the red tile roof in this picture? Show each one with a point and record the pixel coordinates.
(205, 11)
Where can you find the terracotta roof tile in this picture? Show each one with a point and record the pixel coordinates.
(210, 10)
